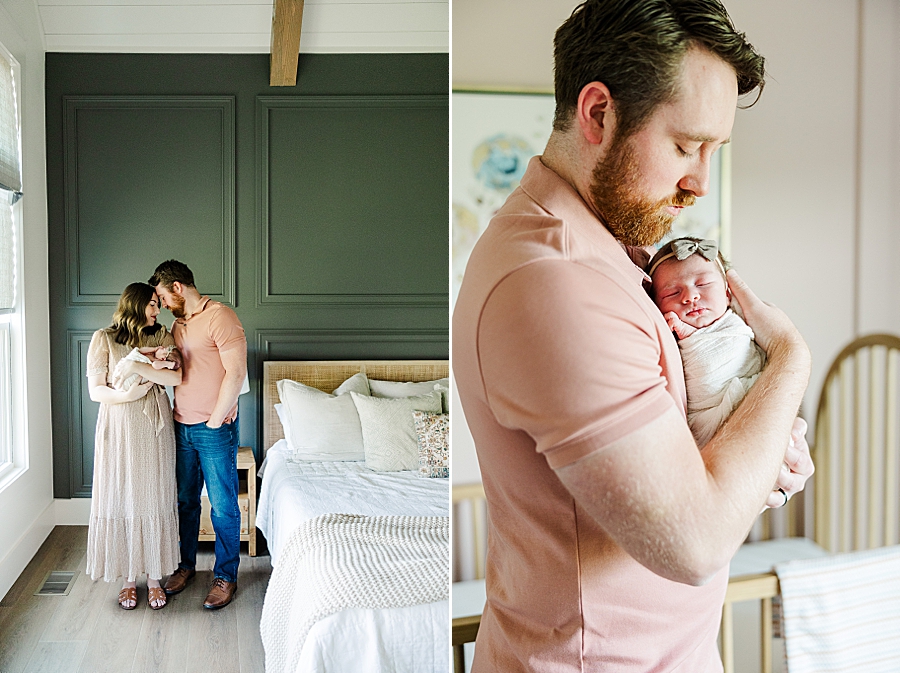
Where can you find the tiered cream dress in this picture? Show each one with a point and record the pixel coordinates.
(134, 520)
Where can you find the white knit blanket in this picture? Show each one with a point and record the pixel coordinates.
(842, 612)
(721, 362)
(339, 561)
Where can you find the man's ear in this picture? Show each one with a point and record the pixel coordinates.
(594, 112)
(177, 288)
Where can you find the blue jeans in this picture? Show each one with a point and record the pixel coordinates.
(203, 454)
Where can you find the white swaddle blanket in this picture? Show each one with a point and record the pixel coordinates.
(121, 382)
(721, 362)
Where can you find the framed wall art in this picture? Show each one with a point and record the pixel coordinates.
(495, 134)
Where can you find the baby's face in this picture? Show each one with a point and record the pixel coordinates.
(694, 289)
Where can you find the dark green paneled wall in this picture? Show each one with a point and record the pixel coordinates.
(318, 211)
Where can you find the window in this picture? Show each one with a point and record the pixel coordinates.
(10, 314)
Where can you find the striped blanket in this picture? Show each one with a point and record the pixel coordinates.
(842, 612)
(339, 561)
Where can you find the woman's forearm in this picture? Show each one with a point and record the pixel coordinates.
(107, 395)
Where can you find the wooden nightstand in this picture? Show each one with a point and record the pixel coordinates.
(246, 465)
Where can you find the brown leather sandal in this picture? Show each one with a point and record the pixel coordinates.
(156, 594)
(128, 594)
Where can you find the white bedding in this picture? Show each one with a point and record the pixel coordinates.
(306, 489)
(389, 640)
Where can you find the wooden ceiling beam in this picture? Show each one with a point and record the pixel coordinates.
(287, 16)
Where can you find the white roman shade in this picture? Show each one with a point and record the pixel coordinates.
(10, 183)
(10, 173)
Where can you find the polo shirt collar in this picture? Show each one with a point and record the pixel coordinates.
(203, 301)
(546, 188)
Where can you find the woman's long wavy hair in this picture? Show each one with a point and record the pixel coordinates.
(129, 324)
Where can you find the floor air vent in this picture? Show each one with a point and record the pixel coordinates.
(57, 583)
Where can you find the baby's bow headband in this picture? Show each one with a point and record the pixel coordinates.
(682, 248)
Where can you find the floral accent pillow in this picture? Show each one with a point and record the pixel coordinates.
(433, 438)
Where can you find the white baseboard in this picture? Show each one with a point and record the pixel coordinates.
(72, 512)
(12, 565)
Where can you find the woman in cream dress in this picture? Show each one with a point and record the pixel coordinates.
(134, 523)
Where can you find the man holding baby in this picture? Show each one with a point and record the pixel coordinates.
(610, 531)
(212, 343)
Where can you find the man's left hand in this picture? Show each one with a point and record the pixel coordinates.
(797, 468)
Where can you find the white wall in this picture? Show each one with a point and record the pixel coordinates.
(814, 163)
(27, 503)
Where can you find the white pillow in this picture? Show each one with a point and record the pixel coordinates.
(396, 389)
(388, 431)
(319, 425)
(357, 383)
(285, 422)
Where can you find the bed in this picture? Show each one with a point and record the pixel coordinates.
(299, 495)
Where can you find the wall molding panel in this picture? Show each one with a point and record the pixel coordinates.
(346, 242)
(177, 177)
(81, 416)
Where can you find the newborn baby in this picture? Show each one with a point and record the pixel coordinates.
(720, 357)
(163, 358)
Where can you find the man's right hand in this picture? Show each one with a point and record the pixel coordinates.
(773, 330)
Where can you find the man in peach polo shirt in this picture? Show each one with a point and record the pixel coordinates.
(214, 348)
(610, 532)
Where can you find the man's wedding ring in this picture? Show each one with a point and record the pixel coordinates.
(781, 490)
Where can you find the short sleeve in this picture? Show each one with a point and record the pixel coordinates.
(225, 329)
(570, 357)
(98, 354)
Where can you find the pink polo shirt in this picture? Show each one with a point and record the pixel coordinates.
(558, 352)
(212, 329)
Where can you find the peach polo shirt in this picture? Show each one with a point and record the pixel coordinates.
(212, 329)
(558, 352)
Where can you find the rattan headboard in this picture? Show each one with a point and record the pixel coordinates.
(327, 375)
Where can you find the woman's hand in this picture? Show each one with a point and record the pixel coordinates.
(136, 391)
(797, 468)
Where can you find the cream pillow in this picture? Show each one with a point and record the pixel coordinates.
(445, 396)
(319, 425)
(388, 431)
(396, 389)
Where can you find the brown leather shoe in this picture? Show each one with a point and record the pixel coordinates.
(220, 594)
(178, 581)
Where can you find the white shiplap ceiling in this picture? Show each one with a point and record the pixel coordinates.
(242, 26)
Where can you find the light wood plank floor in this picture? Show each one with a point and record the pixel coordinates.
(87, 632)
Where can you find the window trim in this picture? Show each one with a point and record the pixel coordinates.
(14, 457)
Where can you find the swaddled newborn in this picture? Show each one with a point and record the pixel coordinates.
(720, 357)
(161, 360)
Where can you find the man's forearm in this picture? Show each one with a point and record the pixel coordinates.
(164, 377)
(683, 514)
(745, 455)
(228, 395)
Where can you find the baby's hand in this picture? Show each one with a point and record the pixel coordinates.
(162, 364)
(682, 329)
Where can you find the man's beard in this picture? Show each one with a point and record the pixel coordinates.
(176, 305)
(632, 219)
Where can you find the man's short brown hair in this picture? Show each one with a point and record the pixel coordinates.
(636, 48)
(170, 272)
